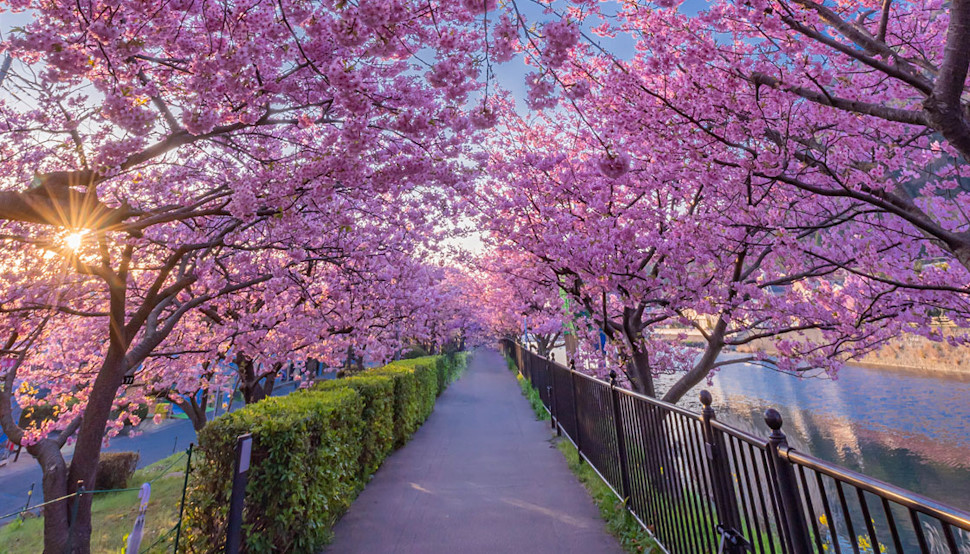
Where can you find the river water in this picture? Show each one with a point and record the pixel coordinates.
(909, 429)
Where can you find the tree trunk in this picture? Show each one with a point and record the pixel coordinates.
(194, 410)
(542, 345)
(638, 366)
(703, 367)
(640, 373)
(87, 450)
(56, 515)
(269, 384)
(249, 382)
(255, 387)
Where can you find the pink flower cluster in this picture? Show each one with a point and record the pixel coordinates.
(560, 36)
(541, 92)
(479, 6)
(614, 165)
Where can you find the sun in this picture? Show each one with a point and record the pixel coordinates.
(74, 240)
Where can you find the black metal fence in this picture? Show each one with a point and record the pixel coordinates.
(701, 486)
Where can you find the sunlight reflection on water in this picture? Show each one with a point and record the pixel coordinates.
(909, 429)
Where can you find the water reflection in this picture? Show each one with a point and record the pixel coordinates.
(912, 430)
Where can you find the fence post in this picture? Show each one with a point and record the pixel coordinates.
(620, 439)
(74, 509)
(789, 498)
(244, 446)
(185, 486)
(526, 368)
(30, 494)
(725, 501)
(553, 405)
(579, 428)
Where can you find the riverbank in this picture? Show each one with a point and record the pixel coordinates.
(907, 354)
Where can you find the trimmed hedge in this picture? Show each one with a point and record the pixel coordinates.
(431, 376)
(115, 469)
(312, 452)
(303, 473)
(450, 367)
(443, 369)
(407, 402)
(377, 392)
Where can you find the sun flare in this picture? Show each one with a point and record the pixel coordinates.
(74, 240)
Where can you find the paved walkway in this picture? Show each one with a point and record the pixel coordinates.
(480, 476)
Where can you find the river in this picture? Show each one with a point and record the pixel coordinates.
(909, 429)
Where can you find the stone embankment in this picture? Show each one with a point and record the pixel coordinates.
(908, 352)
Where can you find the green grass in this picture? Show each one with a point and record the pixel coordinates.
(534, 400)
(511, 363)
(114, 514)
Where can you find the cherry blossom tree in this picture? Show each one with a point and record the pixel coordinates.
(518, 296)
(871, 205)
(651, 239)
(859, 106)
(168, 158)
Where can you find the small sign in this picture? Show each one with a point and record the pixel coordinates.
(138, 531)
(245, 450)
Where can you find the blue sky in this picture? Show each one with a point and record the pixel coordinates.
(512, 75)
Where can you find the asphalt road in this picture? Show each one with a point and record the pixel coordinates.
(480, 476)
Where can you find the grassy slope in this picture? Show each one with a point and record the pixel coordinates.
(114, 514)
(621, 524)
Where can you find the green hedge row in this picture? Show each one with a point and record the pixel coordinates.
(312, 452)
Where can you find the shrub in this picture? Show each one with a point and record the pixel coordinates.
(442, 367)
(427, 390)
(455, 363)
(407, 408)
(304, 469)
(427, 386)
(377, 393)
(115, 469)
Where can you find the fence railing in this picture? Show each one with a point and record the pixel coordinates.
(701, 486)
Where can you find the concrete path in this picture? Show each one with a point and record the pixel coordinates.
(480, 476)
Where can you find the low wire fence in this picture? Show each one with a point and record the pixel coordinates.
(146, 518)
(700, 486)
